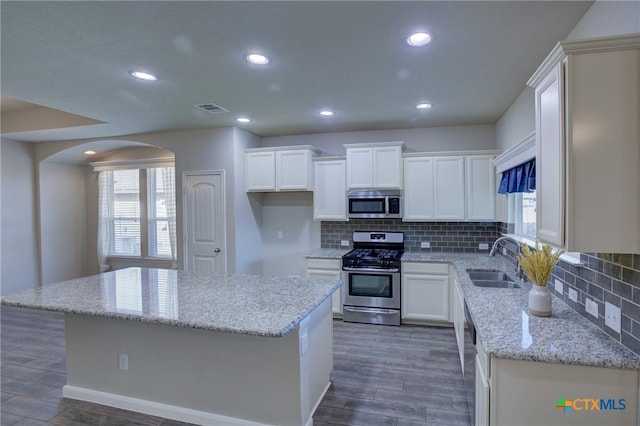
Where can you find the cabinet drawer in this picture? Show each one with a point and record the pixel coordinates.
(316, 263)
(425, 268)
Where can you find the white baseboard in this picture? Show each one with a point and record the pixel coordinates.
(167, 411)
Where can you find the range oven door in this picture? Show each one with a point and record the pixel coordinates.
(371, 288)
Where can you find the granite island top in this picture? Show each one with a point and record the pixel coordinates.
(507, 330)
(245, 304)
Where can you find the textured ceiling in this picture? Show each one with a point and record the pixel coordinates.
(349, 56)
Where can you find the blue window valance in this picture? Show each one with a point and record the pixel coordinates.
(521, 178)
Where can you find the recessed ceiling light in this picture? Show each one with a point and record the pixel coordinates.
(141, 75)
(418, 39)
(89, 152)
(243, 120)
(327, 113)
(423, 106)
(257, 59)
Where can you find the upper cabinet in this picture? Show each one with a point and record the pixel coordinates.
(587, 95)
(449, 187)
(329, 195)
(279, 169)
(374, 165)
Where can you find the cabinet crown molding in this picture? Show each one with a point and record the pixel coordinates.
(587, 45)
(374, 145)
(451, 153)
(285, 148)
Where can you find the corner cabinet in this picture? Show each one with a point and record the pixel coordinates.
(448, 187)
(425, 292)
(329, 195)
(587, 95)
(374, 165)
(279, 169)
(327, 268)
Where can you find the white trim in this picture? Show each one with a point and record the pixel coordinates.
(517, 154)
(223, 209)
(374, 145)
(572, 258)
(167, 411)
(145, 163)
(285, 148)
(450, 153)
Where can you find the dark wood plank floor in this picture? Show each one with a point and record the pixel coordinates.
(399, 376)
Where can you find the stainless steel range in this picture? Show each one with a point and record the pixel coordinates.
(371, 278)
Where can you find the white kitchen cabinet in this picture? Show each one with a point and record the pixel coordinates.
(588, 155)
(483, 390)
(330, 192)
(279, 169)
(425, 292)
(449, 187)
(480, 187)
(375, 165)
(327, 268)
(459, 320)
(418, 189)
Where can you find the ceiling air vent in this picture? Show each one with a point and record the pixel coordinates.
(211, 108)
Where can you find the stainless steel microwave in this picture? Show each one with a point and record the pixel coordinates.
(374, 203)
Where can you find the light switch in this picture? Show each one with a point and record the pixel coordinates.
(612, 317)
(425, 244)
(279, 235)
(573, 295)
(591, 307)
(559, 287)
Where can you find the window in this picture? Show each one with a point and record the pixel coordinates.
(137, 213)
(525, 214)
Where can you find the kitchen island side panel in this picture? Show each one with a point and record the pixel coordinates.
(249, 378)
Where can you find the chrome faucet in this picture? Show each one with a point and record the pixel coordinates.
(494, 248)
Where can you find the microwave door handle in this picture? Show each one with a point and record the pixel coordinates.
(386, 206)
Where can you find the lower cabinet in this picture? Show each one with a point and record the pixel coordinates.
(459, 320)
(518, 392)
(327, 268)
(425, 292)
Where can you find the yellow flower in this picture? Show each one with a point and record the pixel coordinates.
(537, 264)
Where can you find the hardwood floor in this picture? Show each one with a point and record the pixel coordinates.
(400, 376)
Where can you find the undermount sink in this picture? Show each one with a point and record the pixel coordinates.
(491, 278)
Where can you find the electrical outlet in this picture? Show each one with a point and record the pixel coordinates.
(425, 244)
(559, 286)
(123, 361)
(612, 317)
(483, 246)
(573, 295)
(344, 243)
(591, 307)
(279, 235)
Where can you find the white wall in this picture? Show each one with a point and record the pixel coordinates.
(429, 139)
(63, 221)
(19, 246)
(292, 214)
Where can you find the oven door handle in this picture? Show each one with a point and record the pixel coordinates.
(370, 270)
(370, 310)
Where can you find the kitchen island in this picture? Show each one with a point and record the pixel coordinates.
(205, 349)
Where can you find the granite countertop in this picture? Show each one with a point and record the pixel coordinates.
(245, 304)
(325, 253)
(507, 330)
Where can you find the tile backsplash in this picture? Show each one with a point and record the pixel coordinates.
(442, 236)
(603, 277)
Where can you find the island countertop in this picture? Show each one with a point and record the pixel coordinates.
(245, 304)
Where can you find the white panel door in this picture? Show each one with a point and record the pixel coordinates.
(480, 175)
(204, 223)
(418, 189)
(359, 168)
(449, 192)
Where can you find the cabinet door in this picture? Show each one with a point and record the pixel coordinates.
(482, 395)
(330, 192)
(425, 297)
(336, 297)
(260, 171)
(387, 167)
(481, 189)
(359, 168)
(418, 189)
(458, 321)
(448, 188)
(550, 159)
(293, 170)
